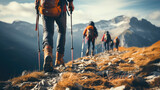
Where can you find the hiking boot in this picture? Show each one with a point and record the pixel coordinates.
(87, 52)
(59, 59)
(92, 53)
(48, 57)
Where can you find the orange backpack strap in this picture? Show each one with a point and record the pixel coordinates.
(84, 32)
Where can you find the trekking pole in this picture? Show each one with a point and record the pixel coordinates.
(37, 29)
(71, 36)
(82, 47)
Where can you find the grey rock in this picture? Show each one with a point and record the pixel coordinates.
(103, 73)
(76, 87)
(121, 61)
(91, 63)
(67, 88)
(131, 61)
(110, 64)
(83, 60)
(81, 65)
(24, 72)
(118, 88)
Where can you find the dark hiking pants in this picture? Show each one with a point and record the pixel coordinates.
(93, 43)
(107, 45)
(116, 45)
(48, 31)
(111, 47)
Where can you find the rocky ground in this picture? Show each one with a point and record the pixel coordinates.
(129, 68)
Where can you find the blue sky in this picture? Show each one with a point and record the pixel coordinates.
(86, 10)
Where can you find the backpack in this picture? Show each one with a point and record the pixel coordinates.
(90, 32)
(107, 37)
(111, 43)
(116, 40)
(50, 8)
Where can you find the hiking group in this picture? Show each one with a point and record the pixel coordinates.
(106, 39)
(55, 10)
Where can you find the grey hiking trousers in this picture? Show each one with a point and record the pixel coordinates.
(93, 44)
(48, 31)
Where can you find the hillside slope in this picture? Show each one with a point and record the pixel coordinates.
(129, 68)
(17, 51)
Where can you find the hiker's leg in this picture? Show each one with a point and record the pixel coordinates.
(48, 30)
(61, 22)
(105, 45)
(88, 42)
(88, 48)
(93, 44)
(117, 46)
(108, 46)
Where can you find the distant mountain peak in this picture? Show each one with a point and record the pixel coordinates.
(19, 22)
(120, 18)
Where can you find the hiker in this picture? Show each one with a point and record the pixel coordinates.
(116, 42)
(106, 39)
(53, 10)
(111, 44)
(90, 33)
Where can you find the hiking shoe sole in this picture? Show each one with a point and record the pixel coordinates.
(48, 66)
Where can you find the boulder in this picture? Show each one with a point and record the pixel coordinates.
(118, 88)
(120, 61)
(24, 72)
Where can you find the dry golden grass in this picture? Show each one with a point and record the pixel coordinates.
(142, 56)
(104, 68)
(131, 83)
(127, 68)
(69, 69)
(69, 63)
(120, 82)
(68, 80)
(34, 76)
(126, 65)
(27, 86)
(87, 80)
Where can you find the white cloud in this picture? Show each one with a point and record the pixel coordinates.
(100, 9)
(155, 15)
(85, 11)
(17, 11)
